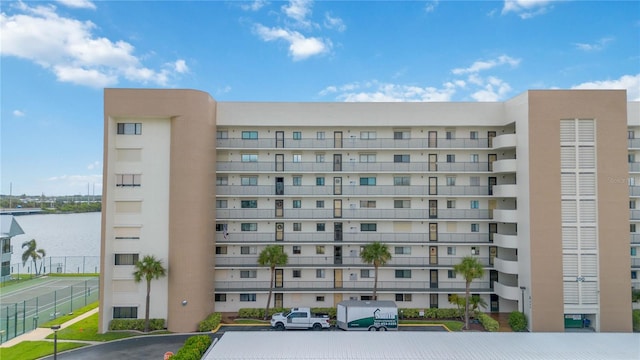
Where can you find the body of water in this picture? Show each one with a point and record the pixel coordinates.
(59, 234)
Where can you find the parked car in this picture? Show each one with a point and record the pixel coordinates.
(300, 318)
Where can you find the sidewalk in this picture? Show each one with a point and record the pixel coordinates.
(40, 334)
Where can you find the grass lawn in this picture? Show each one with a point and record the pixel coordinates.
(29, 350)
(62, 319)
(87, 330)
(451, 325)
(16, 279)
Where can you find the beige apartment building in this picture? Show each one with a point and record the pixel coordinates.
(538, 188)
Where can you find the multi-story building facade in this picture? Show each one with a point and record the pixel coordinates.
(536, 188)
(9, 228)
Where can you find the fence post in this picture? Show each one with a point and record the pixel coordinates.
(24, 316)
(55, 303)
(83, 263)
(71, 307)
(15, 319)
(85, 292)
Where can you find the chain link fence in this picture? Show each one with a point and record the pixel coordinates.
(58, 265)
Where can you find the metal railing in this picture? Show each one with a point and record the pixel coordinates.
(329, 260)
(363, 213)
(355, 143)
(58, 265)
(362, 285)
(352, 166)
(358, 237)
(354, 189)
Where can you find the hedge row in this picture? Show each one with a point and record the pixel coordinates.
(488, 322)
(211, 322)
(636, 320)
(136, 324)
(193, 348)
(518, 321)
(250, 313)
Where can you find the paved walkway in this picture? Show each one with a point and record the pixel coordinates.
(40, 334)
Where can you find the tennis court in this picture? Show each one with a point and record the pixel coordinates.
(26, 304)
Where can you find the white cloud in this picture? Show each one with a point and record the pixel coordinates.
(18, 113)
(336, 23)
(374, 91)
(597, 46)
(253, 6)
(69, 49)
(94, 165)
(300, 47)
(629, 82)
(73, 184)
(180, 66)
(431, 6)
(299, 10)
(526, 9)
(494, 90)
(482, 65)
(79, 4)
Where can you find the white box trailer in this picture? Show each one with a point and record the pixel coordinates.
(367, 315)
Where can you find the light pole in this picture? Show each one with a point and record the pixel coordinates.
(522, 288)
(55, 329)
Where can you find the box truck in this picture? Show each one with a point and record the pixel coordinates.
(367, 315)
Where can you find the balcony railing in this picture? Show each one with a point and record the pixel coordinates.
(633, 143)
(635, 262)
(357, 237)
(354, 190)
(354, 143)
(317, 214)
(353, 166)
(634, 214)
(634, 190)
(360, 285)
(634, 167)
(329, 260)
(635, 238)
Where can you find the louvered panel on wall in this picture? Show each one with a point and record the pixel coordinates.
(586, 130)
(587, 211)
(570, 265)
(587, 183)
(588, 238)
(588, 265)
(569, 237)
(567, 130)
(570, 292)
(568, 184)
(569, 211)
(568, 157)
(400, 227)
(586, 157)
(589, 293)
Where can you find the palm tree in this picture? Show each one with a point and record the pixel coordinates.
(476, 303)
(149, 268)
(272, 256)
(470, 268)
(32, 253)
(377, 254)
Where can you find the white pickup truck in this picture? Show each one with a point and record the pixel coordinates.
(299, 318)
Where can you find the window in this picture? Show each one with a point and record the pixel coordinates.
(319, 158)
(249, 180)
(403, 274)
(222, 134)
(125, 312)
(403, 250)
(320, 298)
(401, 180)
(297, 226)
(634, 275)
(451, 204)
(473, 135)
(449, 135)
(222, 180)
(367, 274)
(451, 274)
(319, 204)
(249, 157)
(367, 158)
(632, 204)
(368, 181)
(632, 228)
(368, 227)
(129, 128)
(297, 204)
(451, 158)
(128, 179)
(297, 180)
(247, 297)
(248, 250)
(320, 249)
(249, 227)
(296, 273)
(320, 181)
(475, 158)
(475, 204)
(126, 259)
(320, 135)
(249, 135)
(475, 227)
(249, 204)
(297, 135)
(401, 204)
(634, 251)
(319, 273)
(451, 181)
(248, 274)
(631, 158)
(297, 249)
(451, 250)
(367, 203)
(220, 297)
(401, 135)
(221, 204)
(320, 227)
(297, 158)
(221, 250)
(474, 181)
(403, 297)
(368, 135)
(401, 158)
(475, 250)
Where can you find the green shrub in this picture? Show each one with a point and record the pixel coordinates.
(251, 313)
(517, 321)
(332, 312)
(488, 322)
(136, 324)
(211, 322)
(636, 320)
(193, 348)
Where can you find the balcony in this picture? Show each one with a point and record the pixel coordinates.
(506, 216)
(353, 190)
(365, 214)
(635, 262)
(328, 260)
(505, 241)
(634, 190)
(352, 166)
(355, 285)
(507, 292)
(635, 238)
(634, 167)
(634, 214)
(505, 190)
(354, 142)
(506, 266)
(633, 143)
(248, 237)
(505, 141)
(505, 166)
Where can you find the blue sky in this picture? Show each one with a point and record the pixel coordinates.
(58, 56)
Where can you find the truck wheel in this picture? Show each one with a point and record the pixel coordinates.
(317, 327)
(279, 327)
(373, 328)
(382, 328)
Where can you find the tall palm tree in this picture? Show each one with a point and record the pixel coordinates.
(32, 253)
(148, 268)
(470, 268)
(272, 256)
(377, 254)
